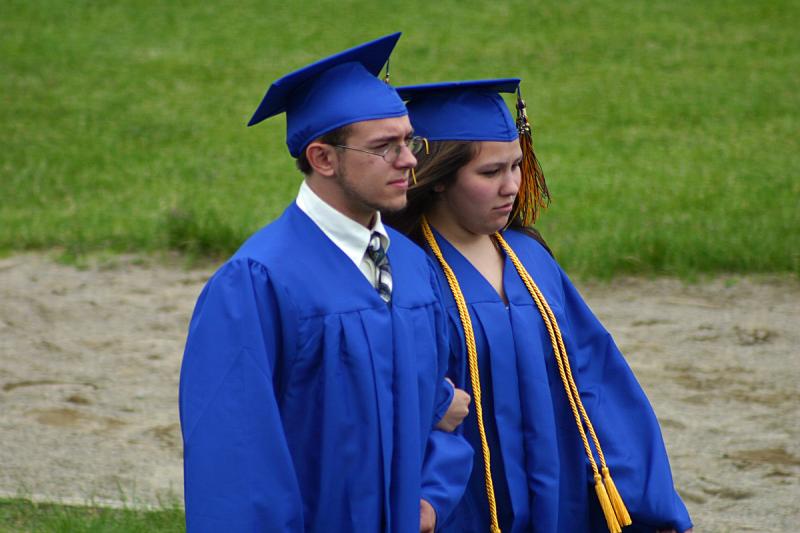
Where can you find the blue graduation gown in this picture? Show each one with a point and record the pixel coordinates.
(542, 478)
(306, 402)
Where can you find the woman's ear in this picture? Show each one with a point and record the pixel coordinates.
(439, 187)
(322, 158)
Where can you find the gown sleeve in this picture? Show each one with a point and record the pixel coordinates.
(238, 471)
(627, 427)
(448, 456)
(444, 397)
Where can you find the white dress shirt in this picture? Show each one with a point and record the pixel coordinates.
(348, 235)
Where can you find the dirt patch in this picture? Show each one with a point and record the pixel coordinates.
(89, 363)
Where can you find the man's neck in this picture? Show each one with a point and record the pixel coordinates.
(330, 193)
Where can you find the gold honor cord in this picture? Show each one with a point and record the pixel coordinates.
(472, 359)
(610, 500)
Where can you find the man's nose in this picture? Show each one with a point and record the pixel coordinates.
(406, 159)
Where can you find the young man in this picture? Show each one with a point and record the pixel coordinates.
(313, 371)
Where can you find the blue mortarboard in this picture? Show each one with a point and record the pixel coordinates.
(332, 93)
(461, 110)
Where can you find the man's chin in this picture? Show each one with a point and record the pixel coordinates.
(395, 206)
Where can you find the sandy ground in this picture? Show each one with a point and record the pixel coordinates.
(89, 362)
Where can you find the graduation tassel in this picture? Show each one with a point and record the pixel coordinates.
(605, 505)
(424, 140)
(533, 194)
(616, 500)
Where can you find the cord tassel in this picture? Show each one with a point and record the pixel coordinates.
(605, 504)
(616, 500)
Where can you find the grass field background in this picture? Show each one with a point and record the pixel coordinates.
(668, 131)
(19, 515)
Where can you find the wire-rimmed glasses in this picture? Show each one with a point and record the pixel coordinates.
(393, 151)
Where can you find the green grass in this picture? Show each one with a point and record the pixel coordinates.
(667, 130)
(22, 516)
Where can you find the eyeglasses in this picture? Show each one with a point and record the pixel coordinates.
(393, 151)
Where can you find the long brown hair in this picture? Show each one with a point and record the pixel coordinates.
(439, 166)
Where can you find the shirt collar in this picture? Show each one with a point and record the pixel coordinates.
(350, 236)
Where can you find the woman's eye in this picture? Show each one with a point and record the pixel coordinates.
(491, 172)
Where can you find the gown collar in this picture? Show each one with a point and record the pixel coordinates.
(474, 286)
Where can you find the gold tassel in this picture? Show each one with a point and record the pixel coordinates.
(605, 504)
(427, 152)
(533, 194)
(616, 500)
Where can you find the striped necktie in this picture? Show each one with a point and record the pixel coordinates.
(377, 253)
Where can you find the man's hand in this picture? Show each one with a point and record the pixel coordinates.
(457, 411)
(427, 517)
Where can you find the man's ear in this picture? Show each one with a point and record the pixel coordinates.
(322, 158)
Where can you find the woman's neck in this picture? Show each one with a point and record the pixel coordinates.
(478, 249)
(457, 235)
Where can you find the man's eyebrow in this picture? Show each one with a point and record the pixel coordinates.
(385, 139)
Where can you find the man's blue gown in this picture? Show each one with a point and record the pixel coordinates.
(542, 478)
(306, 401)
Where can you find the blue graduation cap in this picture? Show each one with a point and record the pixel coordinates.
(332, 93)
(461, 110)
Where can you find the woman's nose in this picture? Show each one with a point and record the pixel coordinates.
(510, 185)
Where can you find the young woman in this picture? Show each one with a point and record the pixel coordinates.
(565, 439)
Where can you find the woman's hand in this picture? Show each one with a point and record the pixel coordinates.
(457, 411)
(427, 517)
